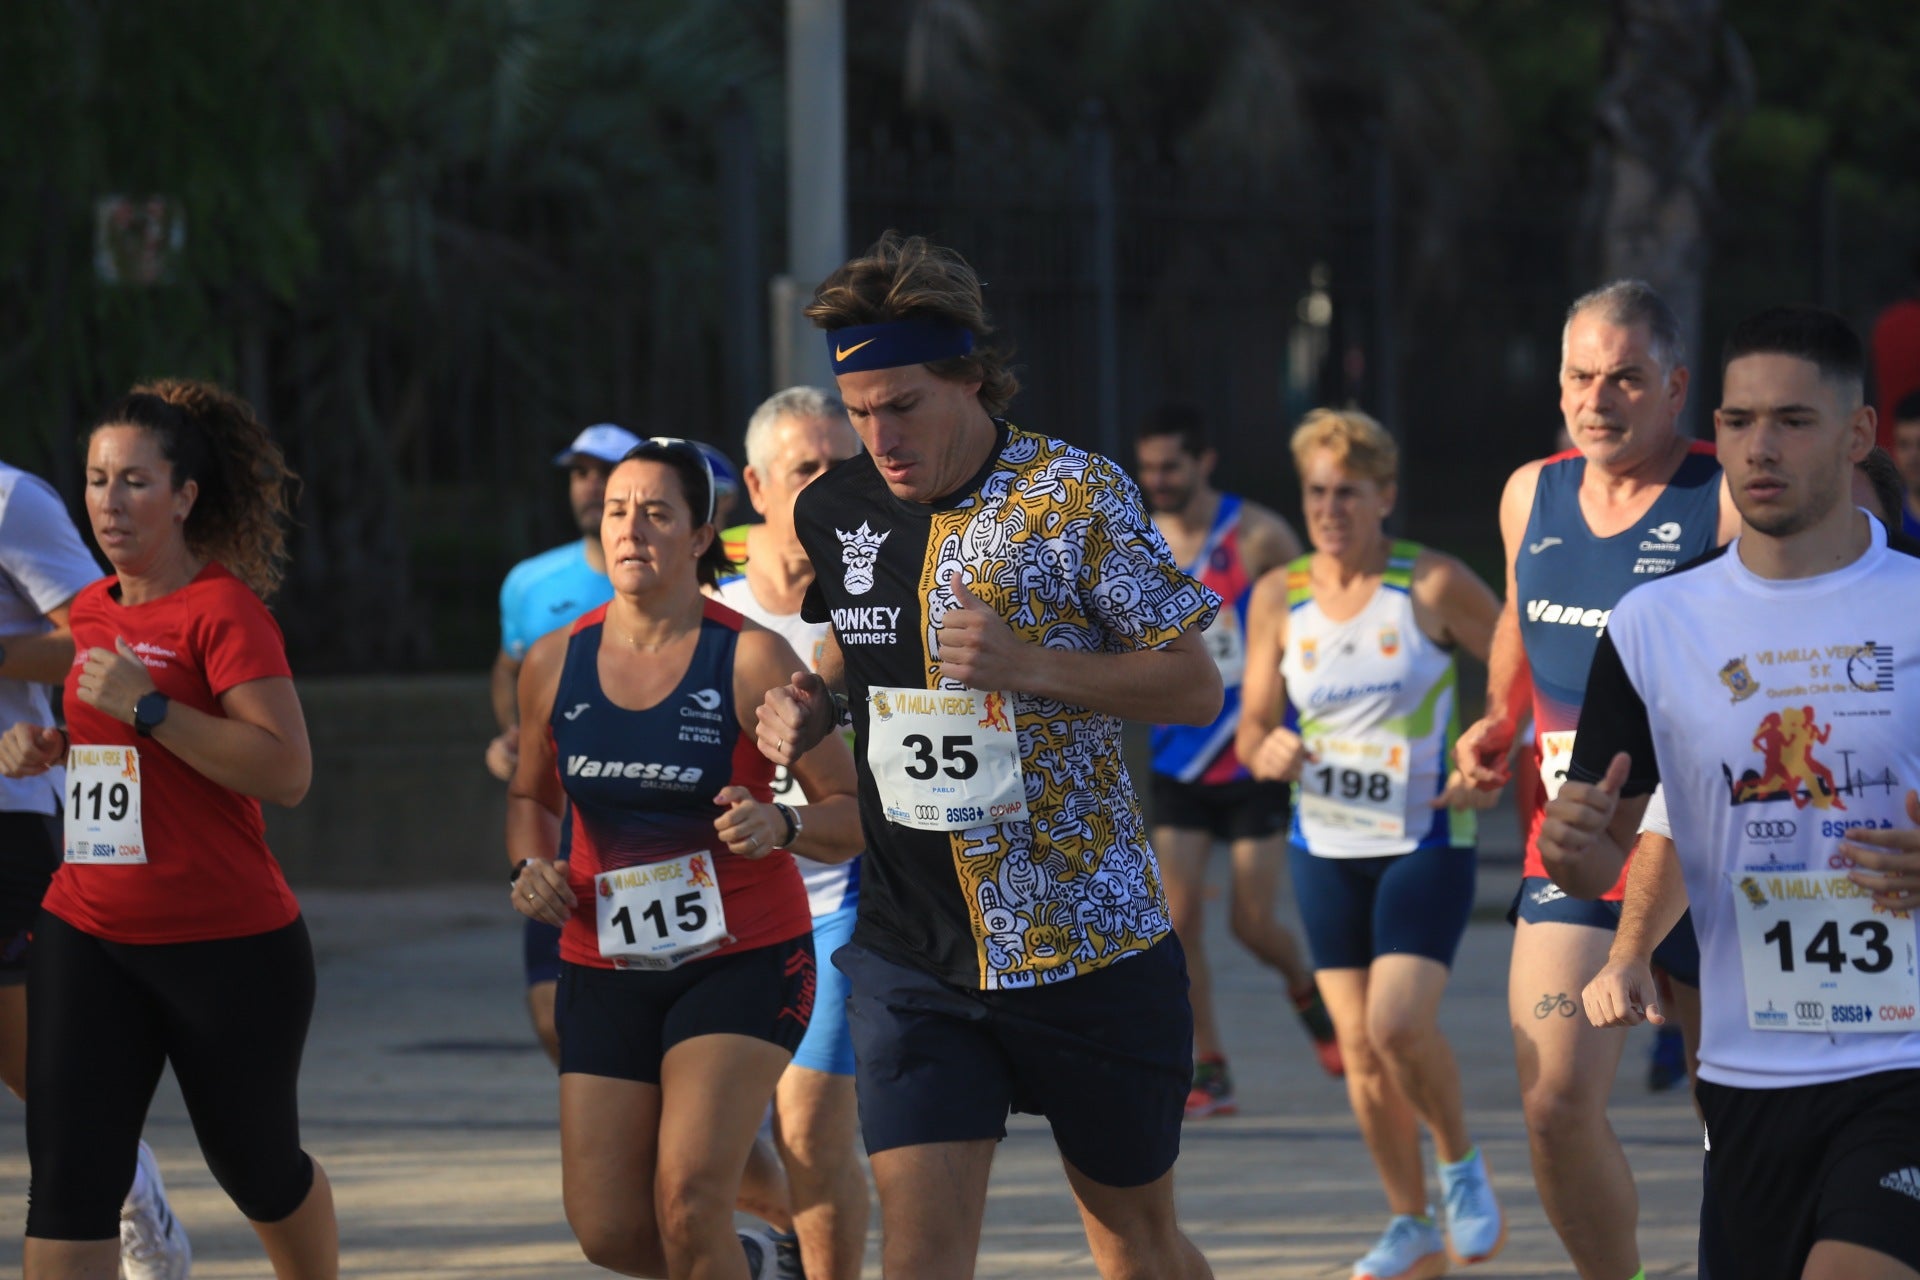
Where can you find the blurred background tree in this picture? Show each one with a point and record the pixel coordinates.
(431, 241)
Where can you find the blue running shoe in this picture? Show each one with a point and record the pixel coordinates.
(1409, 1249)
(1476, 1229)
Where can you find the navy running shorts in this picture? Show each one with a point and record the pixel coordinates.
(620, 1023)
(1358, 909)
(1106, 1057)
(1787, 1168)
(1245, 809)
(1541, 901)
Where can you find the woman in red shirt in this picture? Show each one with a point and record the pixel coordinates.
(169, 934)
(644, 826)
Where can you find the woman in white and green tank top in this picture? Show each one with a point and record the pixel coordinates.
(1350, 694)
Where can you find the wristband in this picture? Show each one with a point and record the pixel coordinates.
(793, 824)
(842, 709)
(513, 876)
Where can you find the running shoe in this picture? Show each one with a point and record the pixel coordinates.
(1313, 1016)
(1409, 1249)
(153, 1244)
(1212, 1092)
(1476, 1229)
(1667, 1066)
(786, 1253)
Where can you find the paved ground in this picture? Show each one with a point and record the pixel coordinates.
(435, 1115)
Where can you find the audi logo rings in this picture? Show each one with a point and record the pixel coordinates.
(1809, 1010)
(1772, 829)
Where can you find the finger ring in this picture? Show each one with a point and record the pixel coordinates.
(529, 896)
(780, 744)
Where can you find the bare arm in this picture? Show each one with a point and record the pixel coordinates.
(1463, 608)
(1271, 751)
(1174, 684)
(1507, 673)
(1655, 898)
(258, 747)
(503, 683)
(1267, 540)
(830, 820)
(534, 795)
(42, 658)
(1481, 752)
(1624, 993)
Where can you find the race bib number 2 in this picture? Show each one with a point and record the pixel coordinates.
(945, 759)
(103, 807)
(659, 915)
(1818, 956)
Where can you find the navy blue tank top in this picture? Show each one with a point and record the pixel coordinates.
(1569, 579)
(640, 787)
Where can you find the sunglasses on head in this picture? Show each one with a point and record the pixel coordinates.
(671, 443)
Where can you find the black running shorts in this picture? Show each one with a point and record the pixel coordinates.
(620, 1023)
(1246, 809)
(1787, 1168)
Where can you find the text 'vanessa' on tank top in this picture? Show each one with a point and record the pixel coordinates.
(1204, 753)
(640, 788)
(1378, 711)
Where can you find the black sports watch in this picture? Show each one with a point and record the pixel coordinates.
(150, 712)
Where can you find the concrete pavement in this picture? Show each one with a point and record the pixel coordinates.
(434, 1113)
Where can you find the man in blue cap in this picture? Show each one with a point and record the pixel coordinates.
(543, 592)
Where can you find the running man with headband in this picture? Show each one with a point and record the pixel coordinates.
(999, 603)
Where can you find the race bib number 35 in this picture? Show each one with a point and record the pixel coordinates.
(661, 914)
(103, 807)
(945, 759)
(1817, 956)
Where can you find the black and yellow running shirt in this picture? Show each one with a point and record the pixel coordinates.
(1001, 851)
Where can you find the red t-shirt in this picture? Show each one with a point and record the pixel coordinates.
(208, 872)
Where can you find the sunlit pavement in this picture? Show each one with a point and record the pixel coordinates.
(436, 1117)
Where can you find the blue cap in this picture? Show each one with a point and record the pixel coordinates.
(725, 478)
(603, 442)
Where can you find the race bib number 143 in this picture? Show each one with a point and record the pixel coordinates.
(1817, 956)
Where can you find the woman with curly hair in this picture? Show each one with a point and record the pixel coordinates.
(169, 934)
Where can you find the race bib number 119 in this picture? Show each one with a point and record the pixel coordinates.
(103, 807)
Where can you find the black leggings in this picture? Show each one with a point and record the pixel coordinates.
(103, 1018)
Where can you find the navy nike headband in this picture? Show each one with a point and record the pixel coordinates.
(894, 343)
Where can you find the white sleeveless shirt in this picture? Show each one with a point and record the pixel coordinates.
(1377, 706)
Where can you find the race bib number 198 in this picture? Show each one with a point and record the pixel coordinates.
(103, 807)
(945, 759)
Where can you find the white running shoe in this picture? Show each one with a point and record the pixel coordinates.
(153, 1244)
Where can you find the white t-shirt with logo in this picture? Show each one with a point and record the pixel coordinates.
(43, 564)
(1776, 716)
(831, 886)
